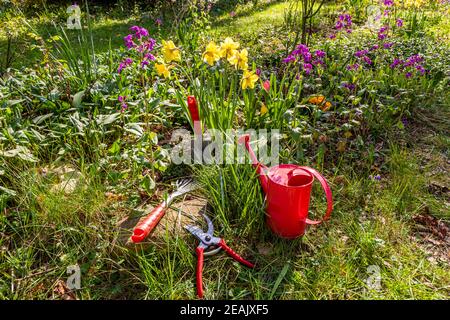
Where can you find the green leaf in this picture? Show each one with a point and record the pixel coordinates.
(115, 148)
(77, 98)
(40, 119)
(279, 279)
(21, 152)
(14, 102)
(8, 191)
(148, 184)
(153, 137)
(107, 119)
(135, 129)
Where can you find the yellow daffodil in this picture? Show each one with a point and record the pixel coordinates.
(211, 54)
(170, 51)
(249, 79)
(240, 59)
(228, 48)
(162, 69)
(264, 109)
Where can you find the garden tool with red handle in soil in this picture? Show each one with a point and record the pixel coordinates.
(144, 227)
(288, 192)
(208, 241)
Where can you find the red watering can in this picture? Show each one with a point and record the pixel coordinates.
(288, 192)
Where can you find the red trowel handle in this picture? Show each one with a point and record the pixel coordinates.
(193, 110)
(146, 226)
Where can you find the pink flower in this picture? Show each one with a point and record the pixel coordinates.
(266, 85)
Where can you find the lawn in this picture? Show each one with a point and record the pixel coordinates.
(86, 122)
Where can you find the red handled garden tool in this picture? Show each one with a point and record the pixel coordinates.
(144, 227)
(210, 245)
(288, 192)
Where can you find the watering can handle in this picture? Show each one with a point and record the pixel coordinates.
(328, 194)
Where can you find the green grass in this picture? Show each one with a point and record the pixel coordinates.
(371, 225)
(249, 21)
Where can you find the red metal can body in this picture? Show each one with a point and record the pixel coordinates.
(288, 200)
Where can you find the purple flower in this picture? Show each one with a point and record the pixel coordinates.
(421, 69)
(349, 86)
(404, 121)
(408, 75)
(399, 23)
(149, 56)
(374, 47)
(349, 31)
(158, 22)
(318, 62)
(303, 55)
(129, 41)
(388, 45)
(123, 104)
(332, 36)
(382, 36)
(388, 3)
(395, 63)
(290, 58)
(367, 60)
(307, 67)
(361, 53)
(258, 72)
(303, 48)
(320, 53)
(353, 67)
(345, 20)
(376, 177)
(125, 63)
(121, 67)
(135, 29)
(386, 12)
(307, 57)
(139, 31)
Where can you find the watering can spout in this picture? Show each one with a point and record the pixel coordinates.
(260, 168)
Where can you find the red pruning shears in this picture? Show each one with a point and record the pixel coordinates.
(208, 241)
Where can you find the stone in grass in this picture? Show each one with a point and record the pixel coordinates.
(171, 225)
(67, 178)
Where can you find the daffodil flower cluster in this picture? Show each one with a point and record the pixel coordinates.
(170, 52)
(229, 51)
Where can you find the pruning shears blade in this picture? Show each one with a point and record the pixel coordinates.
(196, 231)
(210, 225)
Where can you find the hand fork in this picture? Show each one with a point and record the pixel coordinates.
(144, 227)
